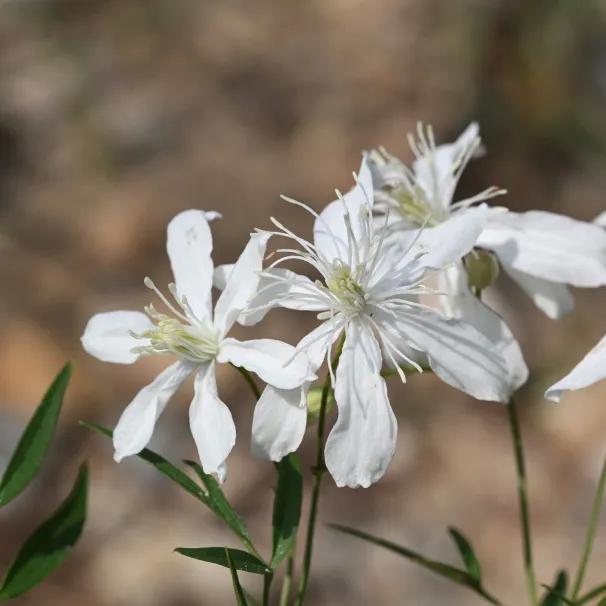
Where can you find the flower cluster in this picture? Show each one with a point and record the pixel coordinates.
(397, 265)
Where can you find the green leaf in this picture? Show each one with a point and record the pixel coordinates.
(161, 464)
(590, 595)
(287, 508)
(242, 560)
(602, 602)
(556, 594)
(461, 577)
(35, 440)
(470, 560)
(220, 505)
(50, 544)
(240, 597)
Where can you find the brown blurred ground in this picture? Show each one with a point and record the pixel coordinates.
(116, 114)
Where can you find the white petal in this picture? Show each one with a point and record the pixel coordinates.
(242, 283)
(211, 423)
(317, 343)
(435, 173)
(107, 336)
(277, 363)
(279, 422)
(548, 246)
(136, 425)
(590, 370)
(463, 305)
(221, 274)
(189, 244)
(600, 219)
(452, 239)
(363, 440)
(330, 232)
(554, 299)
(289, 290)
(458, 353)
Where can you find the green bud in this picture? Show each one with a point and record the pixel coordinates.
(314, 402)
(482, 269)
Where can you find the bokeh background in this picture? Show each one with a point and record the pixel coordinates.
(117, 114)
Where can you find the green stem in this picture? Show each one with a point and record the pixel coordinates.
(516, 437)
(287, 582)
(248, 378)
(594, 593)
(318, 472)
(591, 532)
(267, 579)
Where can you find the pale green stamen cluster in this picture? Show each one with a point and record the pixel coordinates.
(345, 287)
(413, 206)
(170, 336)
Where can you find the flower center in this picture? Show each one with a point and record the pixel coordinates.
(184, 336)
(346, 288)
(413, 206)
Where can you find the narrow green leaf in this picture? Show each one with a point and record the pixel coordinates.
(590, 595)
(242, 560)
(470, 560)
(240, 597)
(35, 440)
(602, 602)
(556, 594)
(220, 505)
(456, 575)
(50, 544)
(287, 508)
(161, 464)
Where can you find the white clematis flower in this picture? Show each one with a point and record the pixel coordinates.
(367, 294)
(424, 197)
(196, 336)
(590, 370)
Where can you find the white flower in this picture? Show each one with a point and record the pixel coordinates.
(196, 336)
(590, 370)
(543, 252)
(368, 293)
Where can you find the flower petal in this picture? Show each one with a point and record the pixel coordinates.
(330, 231)
(136, 425)
(211, 423)
(278, 287)
(189, 244)
(452, 239)
(458, 353)
(461, 304)
(590, 370)
(279, 422)
(363, 440)
(435, 172)
(242, 283)
(107, 336)
(548, 246)
(277, 363)
(554, 299)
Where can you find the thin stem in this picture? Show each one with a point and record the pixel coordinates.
(318, 472)
(287, 582)
(248, 378)
(516, 437)
(267, 579)
(591, 532)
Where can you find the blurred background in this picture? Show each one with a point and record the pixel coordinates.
(117, 114)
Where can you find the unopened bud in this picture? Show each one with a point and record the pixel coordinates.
(482, 269)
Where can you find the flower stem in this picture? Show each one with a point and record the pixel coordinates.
(516, 437)
(591, 532)
(248, 378)
(287, 582)
(318, 472)
(267, 579)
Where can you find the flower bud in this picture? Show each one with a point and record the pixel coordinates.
(314, 402)
(482, 269)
